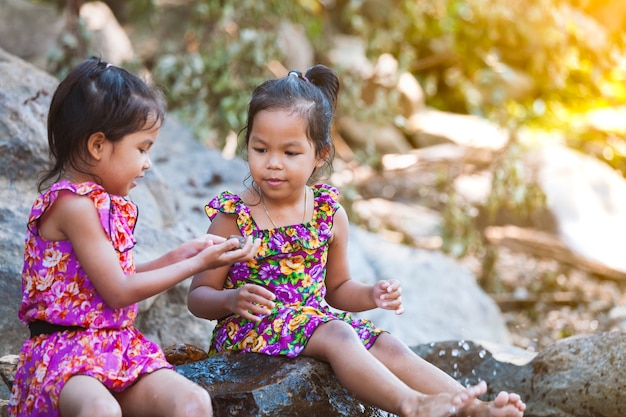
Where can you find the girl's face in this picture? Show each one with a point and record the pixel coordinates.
(280, 155)
(125, 161)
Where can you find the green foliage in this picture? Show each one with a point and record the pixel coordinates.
(532, 63)
(74, 44)
(211, 53)
(222, 54)
(65, 54)
(459, 234)
(511, 191)
(538, 64)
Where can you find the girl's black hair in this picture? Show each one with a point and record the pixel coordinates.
(96, 97)
(313, 95)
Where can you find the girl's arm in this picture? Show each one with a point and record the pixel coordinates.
(208, 299)
(75, 218)
(345, 294)
(184, 251)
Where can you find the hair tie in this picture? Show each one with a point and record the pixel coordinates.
(298, 74)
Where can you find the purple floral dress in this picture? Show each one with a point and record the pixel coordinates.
(56, 289)
(292, 264)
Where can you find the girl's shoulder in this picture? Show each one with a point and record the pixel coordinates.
(115, 212)
(326, 194)
(100, 197)
(226, 202)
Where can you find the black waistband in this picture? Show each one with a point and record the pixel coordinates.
(39, 327)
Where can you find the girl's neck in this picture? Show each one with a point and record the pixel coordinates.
(285, 220)
(75, 177)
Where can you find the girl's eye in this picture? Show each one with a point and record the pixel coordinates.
(291, 153)
(259, 150)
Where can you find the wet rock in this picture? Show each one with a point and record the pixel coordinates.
(258, 385)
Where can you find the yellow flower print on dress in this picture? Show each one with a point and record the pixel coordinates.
(326, 209)
(253, 342)
(278, 324)
(312, 311)
(232, 329)
(306, 281)
(297, 322)
(292, 265)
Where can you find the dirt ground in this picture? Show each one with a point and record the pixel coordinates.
(543, 301)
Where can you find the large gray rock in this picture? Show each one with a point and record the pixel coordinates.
(575, 377)
(30, 29)
(588, 200)
(578, 376)
(25, 94)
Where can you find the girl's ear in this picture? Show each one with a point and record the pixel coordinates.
(95, 145)
(322, 157)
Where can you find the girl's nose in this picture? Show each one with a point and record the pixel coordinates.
(274, 162)
(148, 162)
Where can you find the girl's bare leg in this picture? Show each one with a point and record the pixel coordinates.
(424, 377)
(84, 396)
(369, 379)
(165, 393)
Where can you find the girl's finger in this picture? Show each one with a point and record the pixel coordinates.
(262, 301)
(258, 290)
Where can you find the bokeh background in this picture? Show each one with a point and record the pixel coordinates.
(544, 71)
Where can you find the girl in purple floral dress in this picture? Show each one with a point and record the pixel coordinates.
(275, 304)
(80, 284)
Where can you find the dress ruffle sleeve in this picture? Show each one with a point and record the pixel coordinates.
(118, 216)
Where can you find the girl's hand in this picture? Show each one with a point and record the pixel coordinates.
(388, 295)
(193, 247)
(228, 251)
(252, 302)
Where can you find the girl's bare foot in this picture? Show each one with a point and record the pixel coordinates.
(444, 405)
(504, 405)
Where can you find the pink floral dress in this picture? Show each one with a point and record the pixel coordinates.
(55, 289)
(292, 264)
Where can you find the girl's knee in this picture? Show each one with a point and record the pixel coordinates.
(194, 402)
(109, 408)
(391, 346)
(331, 339)
(337, 332)
(100, 407)
(84, 396)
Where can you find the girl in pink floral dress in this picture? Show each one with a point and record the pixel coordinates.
(80, 284)
(275, 304)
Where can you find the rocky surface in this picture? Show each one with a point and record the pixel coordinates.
(575, 377)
